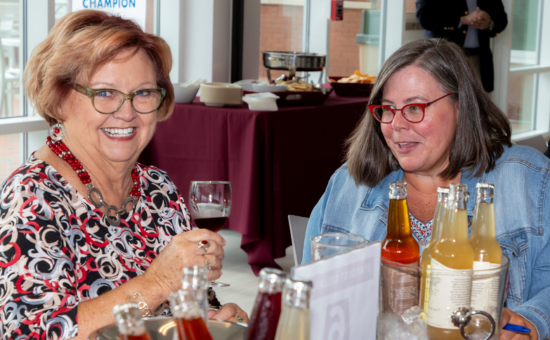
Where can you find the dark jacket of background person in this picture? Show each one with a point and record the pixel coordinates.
(440, 19)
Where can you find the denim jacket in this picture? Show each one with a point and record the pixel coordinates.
(522, 218)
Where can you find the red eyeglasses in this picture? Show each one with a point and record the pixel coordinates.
(413, 113)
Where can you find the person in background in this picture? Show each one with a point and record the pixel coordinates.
(83, 226)
(429, 124)
(468, 23)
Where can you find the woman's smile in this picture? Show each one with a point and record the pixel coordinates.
(405, 147)
(120, 134)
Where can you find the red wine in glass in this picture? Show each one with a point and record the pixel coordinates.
(214, 224)
(209, 206)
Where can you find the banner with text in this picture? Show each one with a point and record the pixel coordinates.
(135, 10)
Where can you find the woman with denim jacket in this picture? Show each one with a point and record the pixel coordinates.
(430, 124)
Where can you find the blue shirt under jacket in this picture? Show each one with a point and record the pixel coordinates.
(522, 216)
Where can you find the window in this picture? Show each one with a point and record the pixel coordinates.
(522, 88)
(10, 63)
(522, 68)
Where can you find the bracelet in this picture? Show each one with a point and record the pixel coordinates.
(143, 307)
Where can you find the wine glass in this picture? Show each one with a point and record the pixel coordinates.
(209, 206)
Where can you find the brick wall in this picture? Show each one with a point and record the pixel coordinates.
(344, 51)
(280, 30)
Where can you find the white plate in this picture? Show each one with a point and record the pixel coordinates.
(163, 328)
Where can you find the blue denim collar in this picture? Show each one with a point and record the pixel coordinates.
(378, 196)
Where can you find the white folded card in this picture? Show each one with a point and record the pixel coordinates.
(344, 299)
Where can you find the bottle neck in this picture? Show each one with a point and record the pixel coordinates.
(194, 278)
(483, 224)
(439, 217)
(296, 299)
(269, 286)
(456, 219)
(399, 224)
(130, 323)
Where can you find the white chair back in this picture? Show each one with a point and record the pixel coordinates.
(298, 226)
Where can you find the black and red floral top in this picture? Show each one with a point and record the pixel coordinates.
(57, 249)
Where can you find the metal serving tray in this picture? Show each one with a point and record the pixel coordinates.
(164, 328)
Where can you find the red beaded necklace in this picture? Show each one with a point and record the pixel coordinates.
(62, 151)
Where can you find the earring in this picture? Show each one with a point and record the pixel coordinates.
(57, 131)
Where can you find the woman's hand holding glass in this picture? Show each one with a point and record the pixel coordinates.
(184, 251)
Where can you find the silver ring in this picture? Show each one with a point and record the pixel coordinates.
(204, 244)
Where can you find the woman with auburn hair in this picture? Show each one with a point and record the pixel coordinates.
(429, 123)
(83, 226)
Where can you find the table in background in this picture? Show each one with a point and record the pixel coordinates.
(279, 163)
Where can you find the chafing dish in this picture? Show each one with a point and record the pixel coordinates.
(292, 62)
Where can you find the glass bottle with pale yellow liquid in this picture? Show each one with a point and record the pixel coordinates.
(294, 322)
(451, 268)
(487, 256)
(426, 261)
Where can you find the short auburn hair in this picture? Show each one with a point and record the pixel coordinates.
(482, 128)
(79, 44)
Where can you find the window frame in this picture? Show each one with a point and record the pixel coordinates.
(503, 55)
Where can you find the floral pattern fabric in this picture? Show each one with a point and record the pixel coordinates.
(420, 230)
(57, 249)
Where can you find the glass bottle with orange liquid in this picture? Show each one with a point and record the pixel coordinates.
(295, 319)
(186, 311)
(399, 286)
(451, 268)
(129, 322)
(426, 261)
(487, 256)
(267, 309)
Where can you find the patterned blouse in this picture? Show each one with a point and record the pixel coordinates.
(420, 230)
(57, 249)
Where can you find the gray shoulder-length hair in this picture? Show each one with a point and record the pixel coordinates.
(482, 128)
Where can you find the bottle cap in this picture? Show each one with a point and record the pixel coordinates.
(485, 190)
(485, 185)
(458, 187)
(272, 275)
(299, 284)
(272, 280)
(398, 190)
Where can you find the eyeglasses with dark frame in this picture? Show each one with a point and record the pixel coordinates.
(413, 113)
(108, 101)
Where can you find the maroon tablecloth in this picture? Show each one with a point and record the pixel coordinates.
(279, 163)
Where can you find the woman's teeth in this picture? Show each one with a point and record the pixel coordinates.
(112, 132)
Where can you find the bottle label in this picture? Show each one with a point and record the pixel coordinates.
(449, 289)
(426, 293)
(485, 287)
(399, 287)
